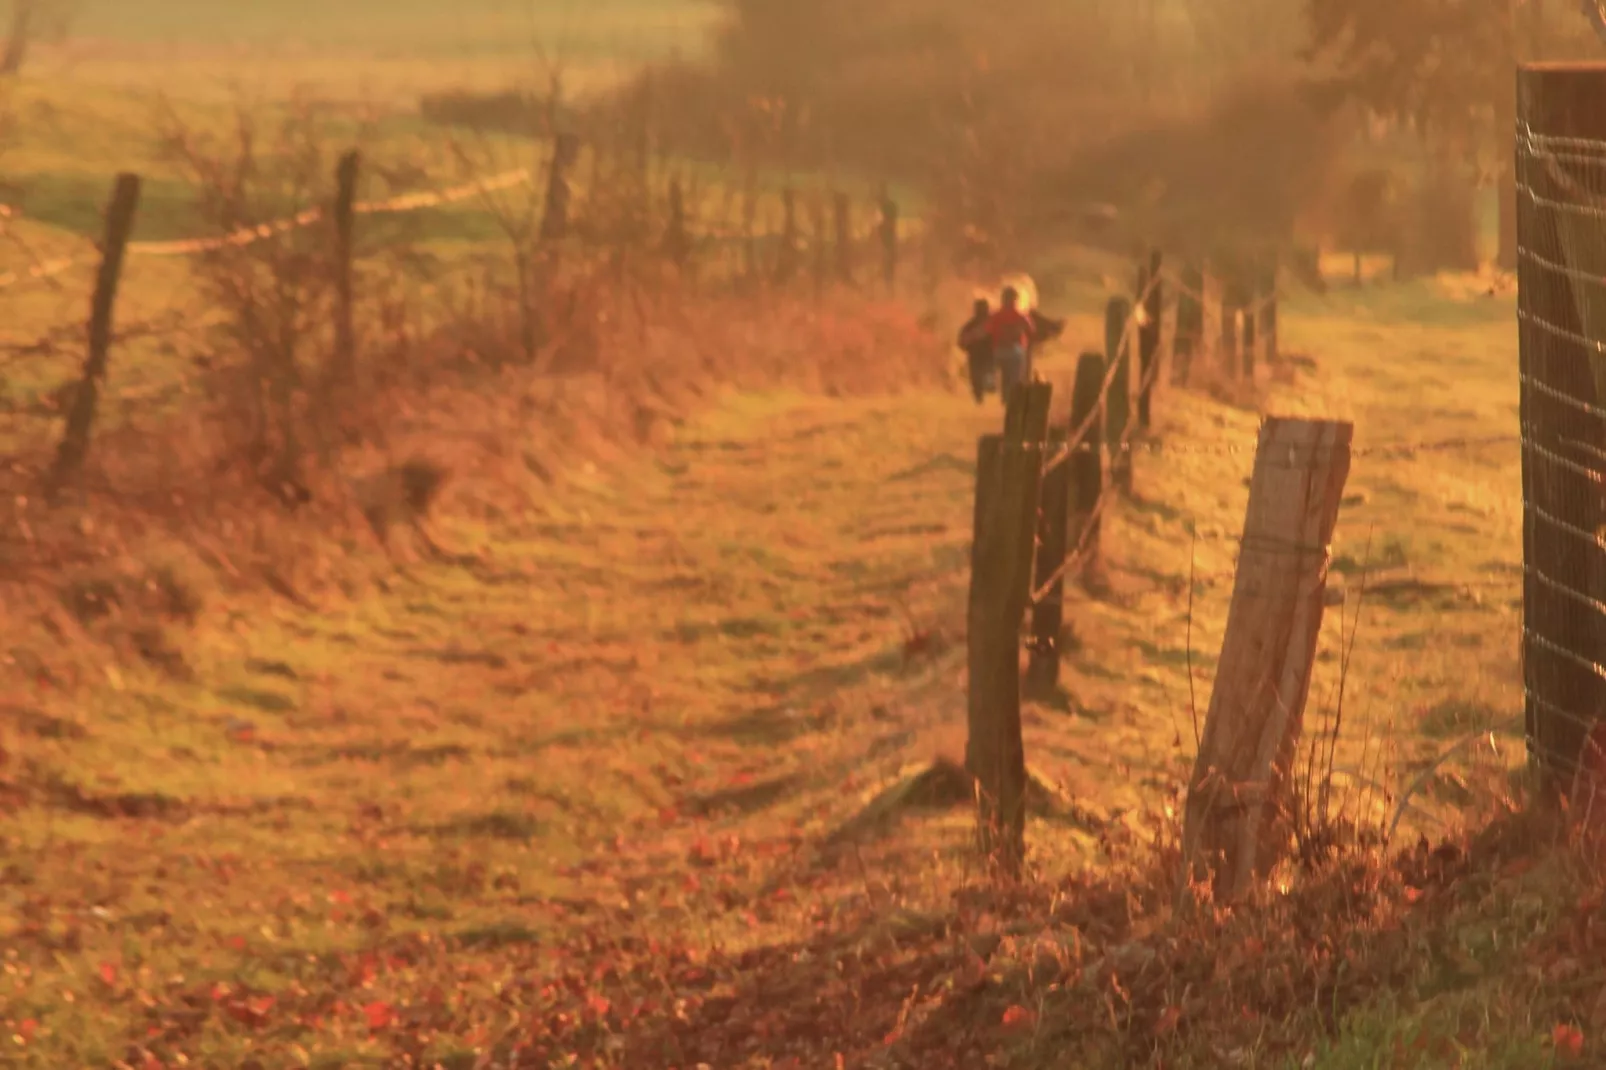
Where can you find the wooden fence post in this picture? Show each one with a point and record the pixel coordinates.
(822, 245)
(1086, 465)
(1151, 292)
(1238, 788)
(1118, 404)
(750, 222)
(1562, 375)
(786, 256)
(1268, 309)
(1230, 307)
(1189, 331)
(1249, 304)
(555, 214)
(889, 241)
(345, 355)
(677, 236)
(1007, 483)
(74, 445)
(844, 236)
(1048, 609)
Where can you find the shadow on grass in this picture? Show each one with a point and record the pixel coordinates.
(749, 799)
(945, 786)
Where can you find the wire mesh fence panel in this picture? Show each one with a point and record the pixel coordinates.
(1561, 284)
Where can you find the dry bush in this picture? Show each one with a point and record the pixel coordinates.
(446, 383)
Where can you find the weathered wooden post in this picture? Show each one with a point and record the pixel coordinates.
(1231, 309)
(1086, 464)
(843, 206)
(1118, 404)
(344, 368)
(1189, 332)
(1561, 320)
(821, 243)
(1152, 296)
(787, 255)
(1249, 320)
(1236, 797)
(1007, 482)
(74, 445)
(1048, 585)
(889, 241)
(677, 235)
(1267, 333)
(750, 222)
(555, 213)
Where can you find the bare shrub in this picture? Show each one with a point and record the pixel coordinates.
(276, 292)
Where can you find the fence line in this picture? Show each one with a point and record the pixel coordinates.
(418, 200)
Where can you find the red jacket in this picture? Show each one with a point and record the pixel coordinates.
(1009, 327)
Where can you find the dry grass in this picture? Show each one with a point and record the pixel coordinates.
(638, 771)
(635, 776)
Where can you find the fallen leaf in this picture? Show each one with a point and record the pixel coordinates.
(1568, 1039)
(378, 1014)
(108, 973)
(1017, 1017)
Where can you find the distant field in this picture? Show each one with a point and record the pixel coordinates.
(369, 49)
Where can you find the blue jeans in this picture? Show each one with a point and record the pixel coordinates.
(1012, 370)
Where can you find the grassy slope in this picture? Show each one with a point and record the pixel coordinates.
(670, 692)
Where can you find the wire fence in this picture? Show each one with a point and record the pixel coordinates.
(827, 241)
(1561, 234)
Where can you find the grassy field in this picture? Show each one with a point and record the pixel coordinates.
(673, 708)
(367, 49)
(651, 775)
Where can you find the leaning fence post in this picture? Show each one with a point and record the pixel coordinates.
(1048, 585)
(1151, 294)
(1086, 465)
(1007, 484)
(345, 356)
(1238, 790)
(1118, 404)
(74, 445)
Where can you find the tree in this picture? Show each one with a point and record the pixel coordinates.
(1446, 67)
(32, 21)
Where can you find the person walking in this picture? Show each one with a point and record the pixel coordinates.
(1010, 331)
(978, 347)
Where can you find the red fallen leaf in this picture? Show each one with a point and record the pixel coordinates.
(1016, 1016)
(338, 896)
(379, 1015)
(108, 973)
(27, 1028)
(598, 1005)
(741, 780)
(235, 943)
(1568, 1039)
(251, 1012)
(668, 815)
